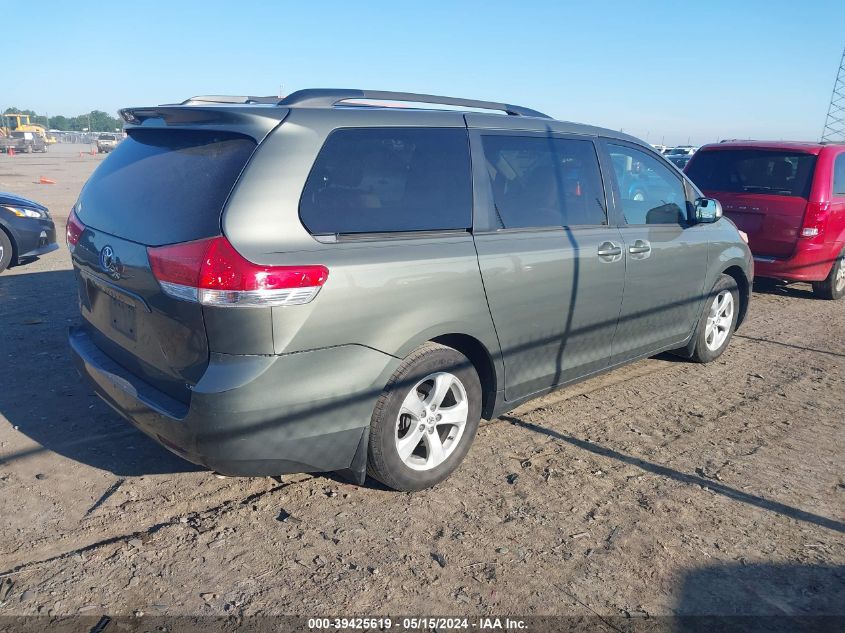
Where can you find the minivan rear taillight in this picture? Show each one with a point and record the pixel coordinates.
(815, 219)
(74, 230)
(212, 272)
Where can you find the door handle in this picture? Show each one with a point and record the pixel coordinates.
(639, 247)
(609, 249)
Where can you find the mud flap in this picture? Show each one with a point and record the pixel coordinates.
(357, 471)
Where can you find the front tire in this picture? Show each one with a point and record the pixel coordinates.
(834, 286)
(6, 251)
(425, 419)
(718, 321)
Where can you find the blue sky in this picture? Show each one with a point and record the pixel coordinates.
(660, 70)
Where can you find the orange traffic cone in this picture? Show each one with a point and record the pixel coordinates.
(11, 151)
(46, 181)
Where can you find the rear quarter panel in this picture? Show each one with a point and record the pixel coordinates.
(391, 295)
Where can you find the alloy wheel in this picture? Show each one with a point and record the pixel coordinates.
(719, 320)
(431, 421)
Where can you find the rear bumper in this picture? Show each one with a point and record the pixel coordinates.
(810, 262)
(254, 415)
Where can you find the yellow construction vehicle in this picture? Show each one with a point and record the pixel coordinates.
(17, 122)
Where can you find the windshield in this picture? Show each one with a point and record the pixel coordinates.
(772, 172)
(106, 137)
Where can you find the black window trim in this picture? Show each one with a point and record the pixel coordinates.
(606, 142)
(484, 214)
(377, 236)
(833, 192)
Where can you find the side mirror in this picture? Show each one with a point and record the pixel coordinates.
(707, 210)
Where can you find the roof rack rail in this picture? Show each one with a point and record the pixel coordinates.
(229, 99)
(328, 97)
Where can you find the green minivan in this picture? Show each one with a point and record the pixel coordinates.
(329, 282)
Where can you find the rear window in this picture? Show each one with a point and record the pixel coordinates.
(377, 180)
(544, 182)
(165, 186)
(768, 172)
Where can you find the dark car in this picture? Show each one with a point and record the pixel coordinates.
(26, 230)
(269, 286)
(24, 143)
(679, 160)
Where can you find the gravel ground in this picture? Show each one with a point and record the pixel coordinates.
(662, 488)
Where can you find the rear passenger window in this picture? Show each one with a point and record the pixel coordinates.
(839, 175)
(544, 181)
(651, 192)
(378, 180)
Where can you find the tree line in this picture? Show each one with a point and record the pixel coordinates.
(95, 121)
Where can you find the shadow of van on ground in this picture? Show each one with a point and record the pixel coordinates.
(762, 597)
(42, 394)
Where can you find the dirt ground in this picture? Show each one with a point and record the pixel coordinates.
(662, 488)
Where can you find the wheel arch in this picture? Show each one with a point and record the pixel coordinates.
(744, 288)
(481, 360)
(14, 243)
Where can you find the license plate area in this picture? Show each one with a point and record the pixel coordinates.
(110, 304)
(122, 316)
(746, 221)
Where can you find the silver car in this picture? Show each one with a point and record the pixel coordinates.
(327, 282)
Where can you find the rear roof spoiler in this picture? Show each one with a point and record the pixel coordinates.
(256, 121)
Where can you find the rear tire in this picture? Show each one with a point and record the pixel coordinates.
(425, 419)
(718, 321)
(833, 287)
(6, 251)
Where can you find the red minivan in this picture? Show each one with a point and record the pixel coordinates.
(790, 200)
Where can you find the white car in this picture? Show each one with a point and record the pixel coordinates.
(682, 150)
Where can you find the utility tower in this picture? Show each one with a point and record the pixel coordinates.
(834, 125)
